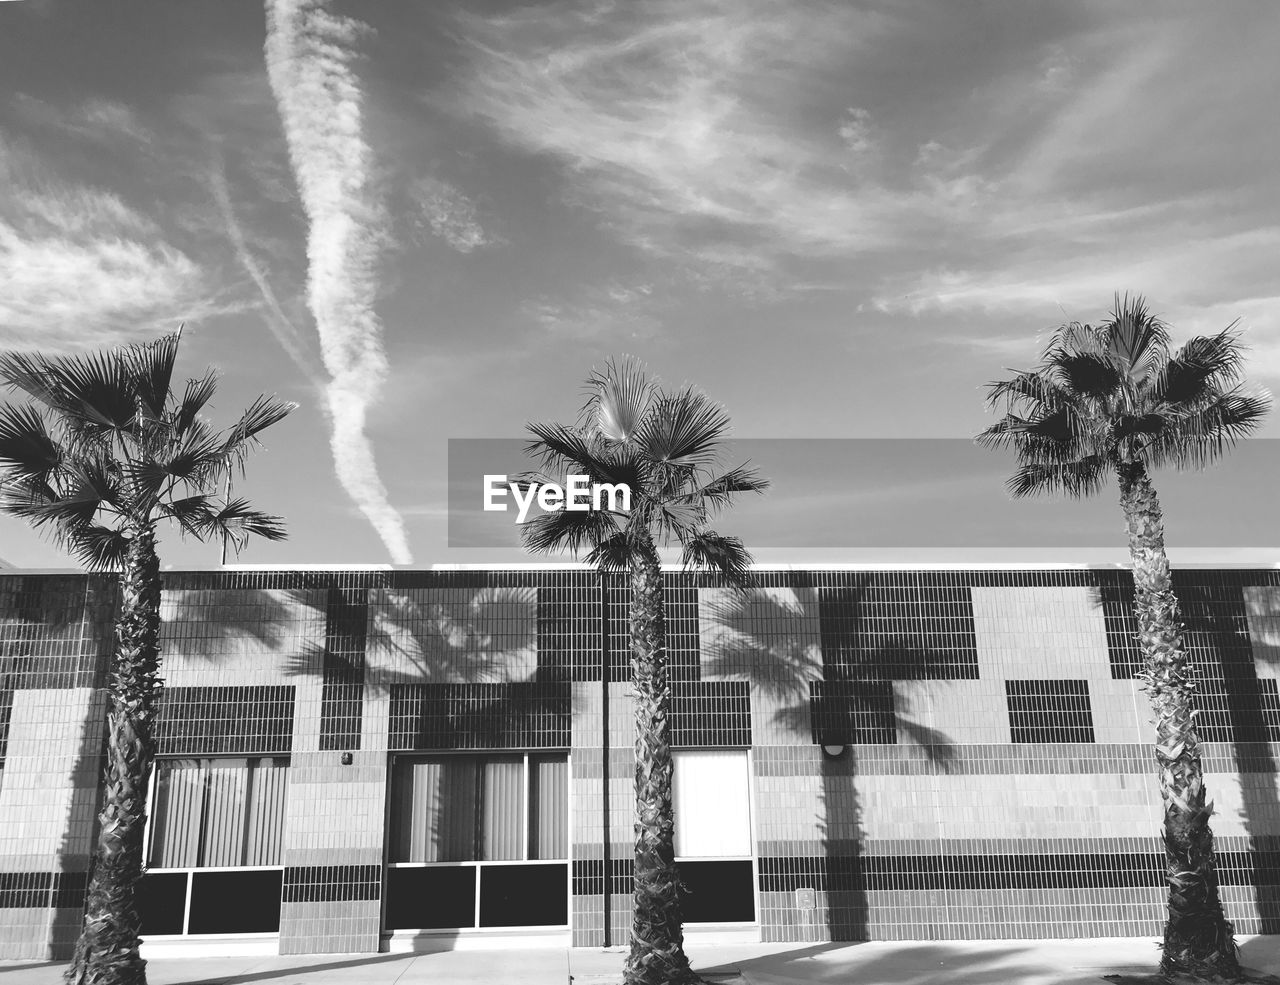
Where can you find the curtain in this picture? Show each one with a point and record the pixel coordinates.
(502, 799)
(433, 809)
(468, 808)
(226, 800)
(712, 804)
(218, 812)
(178, 805)
(549, 806)
(264, 834)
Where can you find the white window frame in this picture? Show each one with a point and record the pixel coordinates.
(477, 864)
(751, 833)
(190, 871)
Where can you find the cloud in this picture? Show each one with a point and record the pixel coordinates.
(608, 312)
(81, 265)
(443, 211)
(97, 119)
(855, 131)
(310, 55)
(673, 119)
(277, 321)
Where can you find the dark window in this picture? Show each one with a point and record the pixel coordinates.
(245, 902)
(431, 897)
(717, 892)
(853, 712)
(523, 895)
(161, 901)
(1049, 711)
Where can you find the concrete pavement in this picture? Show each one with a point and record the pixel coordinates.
(1053, 962)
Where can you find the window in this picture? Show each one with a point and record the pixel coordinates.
(479, 841)
(214, 849)
(712, 804)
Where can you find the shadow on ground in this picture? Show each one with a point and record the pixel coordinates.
(301, 969)
(917, 964)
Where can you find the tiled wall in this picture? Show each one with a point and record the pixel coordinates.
(995, 779)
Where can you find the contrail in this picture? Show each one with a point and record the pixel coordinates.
(286, 333)
(309, 53)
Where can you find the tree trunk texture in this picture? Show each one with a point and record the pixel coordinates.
(1198, 940)
(657, 937)
(107, 951)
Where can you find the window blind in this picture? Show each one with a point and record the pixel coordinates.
(218, 812)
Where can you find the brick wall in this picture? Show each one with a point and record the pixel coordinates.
(995, 779)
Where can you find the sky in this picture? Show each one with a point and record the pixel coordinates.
(428, 222)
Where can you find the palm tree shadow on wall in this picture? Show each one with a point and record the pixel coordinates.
(772, 637)
(71, 618)
(480, 644)
(1249, 719)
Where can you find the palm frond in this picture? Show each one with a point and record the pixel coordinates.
(26, 448)
(92, 391)
(1077, 479)
(97, 547)
(611, 554)
(1201, 369)
(686, 429)
(673, 520)
(1029, 389)
(1088, 374)
(43, 506)
(618, 399)
(94, 474)
(1056, 437)
(1137, 336)
(1206, 434)
(260, 415)
(151, 366)
(718, 493)
(194, 398)
(240, 521)
(567, 450)
(727, 556)
(574, 531)
(196, 460)
(194, 514)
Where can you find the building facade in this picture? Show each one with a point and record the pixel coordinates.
(363, 760)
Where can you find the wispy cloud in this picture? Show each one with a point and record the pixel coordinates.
(609, 313)
(310, 54)
(98, 119)
(83, 266)
(278, 322)
(441, 210)
(675, 117)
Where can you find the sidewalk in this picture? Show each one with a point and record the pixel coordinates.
(1053, 962)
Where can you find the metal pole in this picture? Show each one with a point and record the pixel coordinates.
(604, 746)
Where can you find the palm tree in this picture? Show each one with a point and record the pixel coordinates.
(666, 445)
(1113, 398)
(102, 451)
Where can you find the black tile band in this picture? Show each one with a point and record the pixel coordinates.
(519, 715)
(206, 720)
(332, 883)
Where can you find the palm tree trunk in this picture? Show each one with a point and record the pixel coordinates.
(657, 937)
(107, 951)
(1198, 940)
